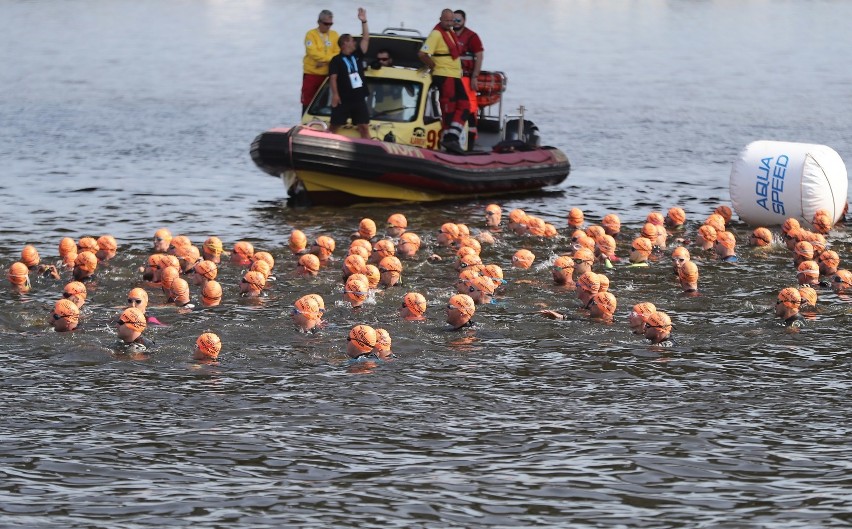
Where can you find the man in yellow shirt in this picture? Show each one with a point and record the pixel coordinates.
(320, 46)
(440, 53)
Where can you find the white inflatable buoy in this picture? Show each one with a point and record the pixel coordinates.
(774, 180)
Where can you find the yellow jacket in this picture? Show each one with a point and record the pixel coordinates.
(319, 48)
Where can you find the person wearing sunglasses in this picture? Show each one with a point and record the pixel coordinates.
(472, 55)
(65, 316)
(787, 307)
(842, 282)
(441, 53)
(658, 329)
(320, 46)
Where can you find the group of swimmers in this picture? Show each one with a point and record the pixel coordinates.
(375, 261)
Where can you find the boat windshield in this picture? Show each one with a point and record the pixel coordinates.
(394, 100)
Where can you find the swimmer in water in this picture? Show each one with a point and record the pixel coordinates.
(493, 216)
(842, 282)
(397, 224)
(131, 325)
(84, 266)
(658, 329)
(162, 240)
(87, 244)
(787, 307)
(76, 292)
(409, 244)
(203, 272)
(807, 273)
(67, 252)
(675, 218)
(803, 251)
(19, 277)
(642, 248)
(829, 262)
(361, 341)
(680, 255)
(212, 250)
(298, 242)
(460, 309)
(366, 229)
(179, 293)
(252, 284)
(448, 234)
(356, 290)
(243, 251)
(481, 289)
(107, 248)
(605, 250)
(207, 347)
(602, 306)
(391, 271)
(413, 307)
(588, 285)
(65, 316)
(323, 248)
(576, 218)
(611, 224)
(639, 316)
(179, 242)
(688, 276)
(725, 247)
(307, 313)
(353, 264)
(523, 259)
(383, 248)
(562, 271)
(308, 265)
(706, 237)
(211, 294)
(583, 259)
(382, 350)
(517, 221)
(760, 237)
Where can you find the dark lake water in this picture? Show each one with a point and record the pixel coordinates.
(123, 117)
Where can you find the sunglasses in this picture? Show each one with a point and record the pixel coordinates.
(355, 292)
(67, 295)
(383, 270)
(132, 301)
(158, 239)
(680, 259)
(385, 59)
(122, 322)
(838, 279)
(452, 307)
(457, 20)
(326, 23)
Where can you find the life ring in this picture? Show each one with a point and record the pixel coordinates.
(490, 88)
(317, 124)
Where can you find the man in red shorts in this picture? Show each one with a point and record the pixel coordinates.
(471, 62)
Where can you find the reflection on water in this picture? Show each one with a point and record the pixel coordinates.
(123, 118)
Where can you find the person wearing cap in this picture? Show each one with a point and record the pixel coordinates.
(243, 251)
(726, 213)
(575, 218)
(809, 300)
(308, 265)
(464, 280)
(65, 316)
(212, 250)
(383, 248)
(67, 252)
(298, 242)
(323, 248)
(642, 248)
(107, 247)
(675, 218)
(138, 298)
(448, 234)
(523, 259)
(725, 247)
(87, 244)
(162, 241)
(178, 243)
(460, 309)
(170, 273)
(680, 255)
(76, 292)
(822, 221)
(588, 284)
(373, 276)
(84, 266)
(382, 350)
(602, 306)
(252, 284)
(264, 268)
(32, 260)
(366, 230)
(207, 347)
(803, 251)
(493, 216)
(152, 271)
(211, 294)
(787, 307)
(639, 316)
(356, 290)
(306, 313)
(842, 282)
(829, 262)
(467, 259)
(188, 257)
(658, 329)
(716, 221)
(611, 224)
(204, 271)
(413, 307)
(361, 341)
(562, 270)
(688, 276)
(706, 237)
(409, 244)
(179, 293)
(19, 277)
(391, 271)
(397, 224)
(517, 221)
(605, 250)
(495, 273)
(760, 237)
(353, 264)
(583, 259)
(131, 325)
(807, 273)
(481, 289)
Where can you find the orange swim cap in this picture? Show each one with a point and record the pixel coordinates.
(384, 248)
(451, 230)
(716, 221)
(179, 242)
(244, 249)
(397, 220)
(463, 303)
(483, 284)
(493, 209)
(649, 231)
(677, 216)
(660, 320)
(168, 261)
(808, 295)
(495, 272)
(163, 234)
(179, 288)
(326, 243)
(135, 293)
(308, 307)
(76, 288)
(611, 222)
(589, 282)
(383, 340)
(564, 262)
(108, 243)
(211, 293)
(535, 226)
(262, 267)
(606, 302)
(725, 212)
(575, 217)
(594, 231)
(606, 244)
(256, 280)
(66, 246)
(804, 249)
(18, 274)
(29, 256)
(464, 231)
(88, 244)
(134, 319)
(655, 218)
(822, 223)
(688, 272)
(410, 238)
(363, 337)
(170, 273)
(65, 308)
(357, 288)
(643, 244)
(644, 309)
(708, 233)
(523, 258)
(726, 239)
(763, 236)
(354, 264)
(830, 258)
(266, 257)
(359, 251)
(390, 264)
(367, 228)
(518, 216)
(373, 275)
(415, 302)
(470, 242)
(584, 255)
(207, 269)
(790, 297)
(808, 268)
(213, 246)
(310, 262)
(364, 244)
(298, 241)
(86, 261)
(468, 260)
(209, 345)
(790, 224)
(680, 253)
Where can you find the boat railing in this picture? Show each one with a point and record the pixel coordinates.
(520, 119)
(401, 29)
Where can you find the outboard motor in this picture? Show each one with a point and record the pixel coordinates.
(529, 135)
